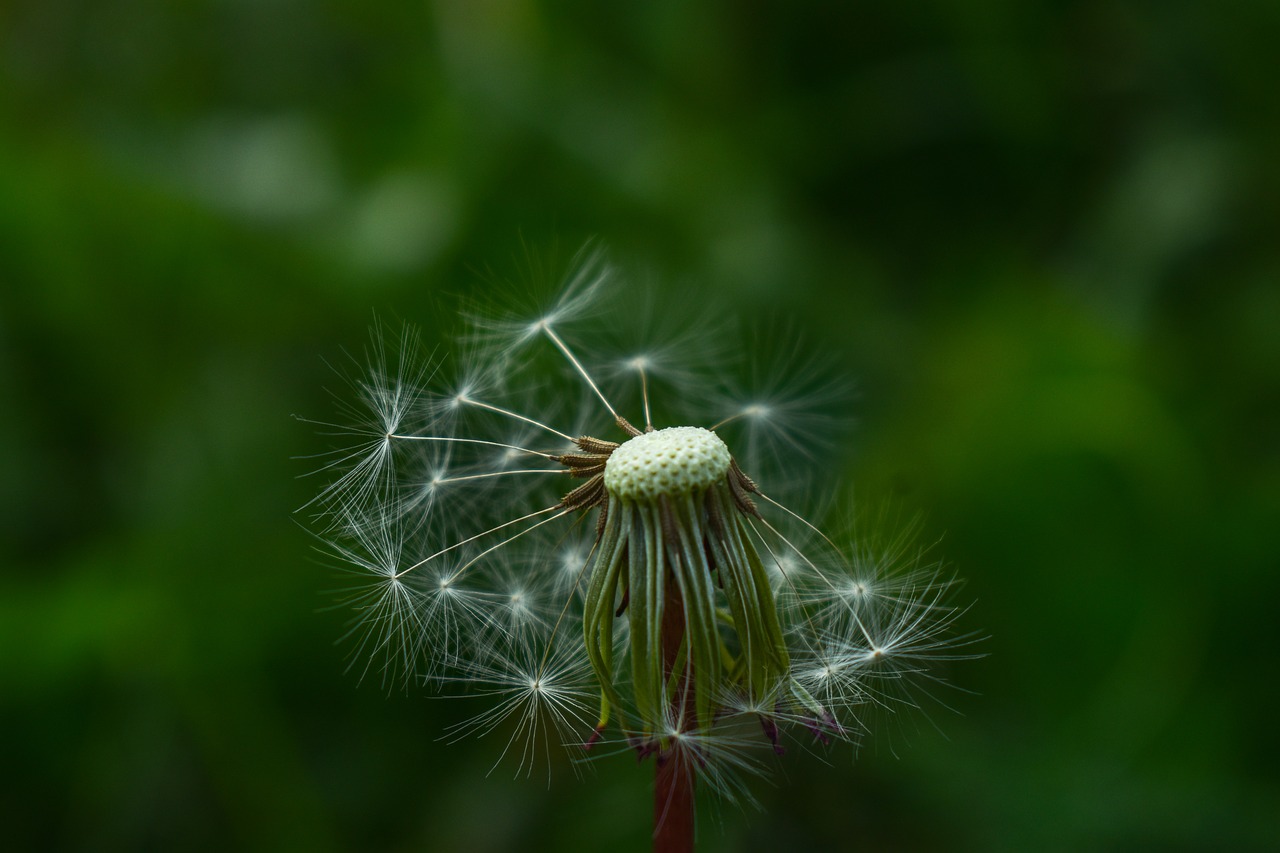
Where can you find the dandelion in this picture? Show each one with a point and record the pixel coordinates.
(563, 529)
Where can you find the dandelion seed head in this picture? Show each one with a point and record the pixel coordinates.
(594, 536)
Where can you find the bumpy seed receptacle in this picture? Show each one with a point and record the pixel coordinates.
(674, 514)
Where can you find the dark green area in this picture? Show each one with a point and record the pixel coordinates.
(1043, 238)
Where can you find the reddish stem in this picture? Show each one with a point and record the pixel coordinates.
(673, 776)
(673, 804)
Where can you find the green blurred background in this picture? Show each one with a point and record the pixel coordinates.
(1044, 239)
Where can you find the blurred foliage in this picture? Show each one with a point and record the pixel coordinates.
(1041, 237)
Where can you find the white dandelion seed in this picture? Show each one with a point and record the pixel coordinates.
(388, 399)
(544, 693)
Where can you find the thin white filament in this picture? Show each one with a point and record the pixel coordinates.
(568, 599)
(510, 414)
(800, 518)
(478, 557)
(853, 613)
(499, 474)
(564, 349)
(447, 438)
(480, 535)
(644, 393)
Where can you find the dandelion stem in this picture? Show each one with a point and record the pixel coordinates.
(673, 808)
